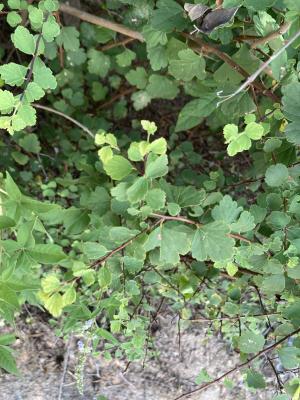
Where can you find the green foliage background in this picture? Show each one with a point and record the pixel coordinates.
(104, 213)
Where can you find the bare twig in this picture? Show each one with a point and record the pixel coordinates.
(252, 77)
(110, 46)
(93, 19)
(229, 318)
(239, 366)
(74, 121)
(66, 360)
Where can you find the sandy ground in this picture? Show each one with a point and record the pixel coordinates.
(40, 359)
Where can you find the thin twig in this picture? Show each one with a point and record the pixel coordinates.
(122, 246)
(93, 19)
(229, 318)
(239, 366)
(66, 360)
(110, 46)
(252, 77)
(74, 121)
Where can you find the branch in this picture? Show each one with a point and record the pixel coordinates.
(93, 19)
(252, 77)
(74, 121)
(239, 366)
(272, 35)
(208, 48)
(125, 244)
(230, 318)
(191, 222)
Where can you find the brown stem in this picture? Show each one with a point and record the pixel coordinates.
(272, 35)
(239, 366)
(93, 19)
(125, 244)
(202, 46)
(191, 222)
(117, 44)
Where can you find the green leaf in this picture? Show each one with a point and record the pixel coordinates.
(47, 253)
(168, 16)
(174, 242)
(33, 92)
(227, 210)
(43, 75)
(292, 313)
(125, 58)
(7, 361)
(36, 17)
(13, 18)
(7, 339)
(273, 284)
(140, 99)
(158, 146)
(212, 241)
(69, 38)
(162, 87)
(137, 77)
(258, 5)
(193, 112)
(254, 131)
(104, 277)
(94, 250)
(250, 342)
(118, 167)
(12, 189)
(98, 63)
(255, 380)
(23, 40)
(245, 223)
(7, 101)
(50, 283)
(6, 222)
(30, 143)
(69, 297)
(138, 190)
(25, 116)
(156, 199)
(50, 29)
(276, 175)
(156, 167)
(158, 57)
(121, 234)
(188, 66)
(54, 304)
(289, 357)
(13, 74)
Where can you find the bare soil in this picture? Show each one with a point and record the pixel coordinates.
(41, 359)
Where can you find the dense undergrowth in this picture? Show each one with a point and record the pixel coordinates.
(105, 215)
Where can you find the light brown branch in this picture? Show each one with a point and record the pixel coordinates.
(202, 47)
(93, 19)
(239, 366)
(272, 35)
(191, 222)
